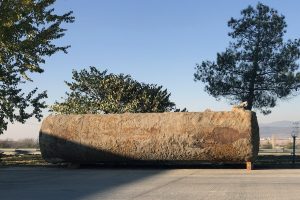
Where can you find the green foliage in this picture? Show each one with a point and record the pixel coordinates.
(258, 66)
(21, 143)
(266, 146)
(96, 92)
(289, 145)
(27, 31)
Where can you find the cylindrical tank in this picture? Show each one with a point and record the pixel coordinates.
(181, 136)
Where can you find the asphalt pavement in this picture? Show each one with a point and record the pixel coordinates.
(30, 183)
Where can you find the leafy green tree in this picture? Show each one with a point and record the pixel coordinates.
(97, 92)
(27, 31)
(258, 66)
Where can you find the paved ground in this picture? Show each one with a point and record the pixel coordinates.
(60, 183)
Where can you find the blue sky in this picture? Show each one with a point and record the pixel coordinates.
(155, 41)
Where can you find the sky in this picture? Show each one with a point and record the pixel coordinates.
(154, 41)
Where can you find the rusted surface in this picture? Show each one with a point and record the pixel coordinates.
(202, 136)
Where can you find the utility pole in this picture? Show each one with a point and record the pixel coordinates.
(294, 134)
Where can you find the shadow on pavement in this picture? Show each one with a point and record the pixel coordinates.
(60, 183)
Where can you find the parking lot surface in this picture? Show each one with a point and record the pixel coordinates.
(109, 183)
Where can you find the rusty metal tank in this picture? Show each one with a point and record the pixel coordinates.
(187, 136)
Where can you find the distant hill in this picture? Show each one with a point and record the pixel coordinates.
(282, 129)
(277, 124)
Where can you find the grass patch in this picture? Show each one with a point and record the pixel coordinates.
(276, 159)
(37, 160)
(22, 160)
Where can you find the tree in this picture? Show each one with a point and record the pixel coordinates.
(97, 92)
(258, 66)
(27, 31)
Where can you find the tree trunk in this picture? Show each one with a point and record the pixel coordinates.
(251, 95)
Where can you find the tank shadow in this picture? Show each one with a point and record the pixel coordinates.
(89, 157)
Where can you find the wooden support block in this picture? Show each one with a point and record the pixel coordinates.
(249, 166)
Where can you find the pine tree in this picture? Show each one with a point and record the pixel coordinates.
(258, 66)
